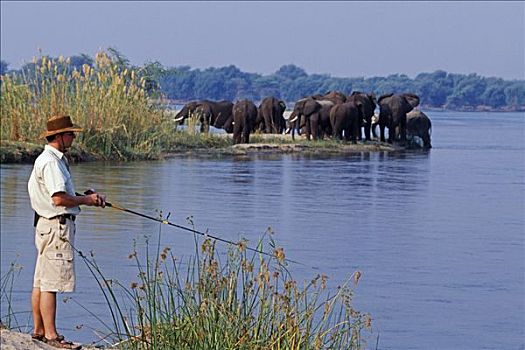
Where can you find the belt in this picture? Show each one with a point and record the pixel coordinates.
(61, 218)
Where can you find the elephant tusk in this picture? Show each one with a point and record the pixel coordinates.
(293, 119)
(178, 119)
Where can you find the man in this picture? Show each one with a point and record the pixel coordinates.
(56, 206)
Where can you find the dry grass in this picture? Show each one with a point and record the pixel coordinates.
(109, 102)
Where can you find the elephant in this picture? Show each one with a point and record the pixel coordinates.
(366, 103)
(293, 123)
(336, 97)
(419, 124)
(375, 123)
(270, 114)
(308, 112)
(393, 109)
(186, 111)
(217, 114)
(346, 118)
(244, 116)
(325, 126)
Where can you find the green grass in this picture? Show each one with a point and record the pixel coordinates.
(8, 317)
(227, 301)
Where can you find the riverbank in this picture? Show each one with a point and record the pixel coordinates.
(26, 153)
(11, 340)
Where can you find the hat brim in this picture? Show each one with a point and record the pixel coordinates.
(74, 128)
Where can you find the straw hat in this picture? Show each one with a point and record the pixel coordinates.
(59, 124)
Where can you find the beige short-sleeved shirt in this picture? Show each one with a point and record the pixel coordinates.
(50, 175)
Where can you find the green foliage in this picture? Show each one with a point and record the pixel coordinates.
(291, 72)
(4, 67)
(434, 86)
(494, 94)
(269, 86)
(231, 300)
(437, 89)
(117, 58)
(468, 91)
(77, 61)
(515, 93)
(395, 83)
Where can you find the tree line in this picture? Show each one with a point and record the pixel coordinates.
(437, 89)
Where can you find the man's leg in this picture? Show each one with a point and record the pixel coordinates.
(48, 308)
(38, 323)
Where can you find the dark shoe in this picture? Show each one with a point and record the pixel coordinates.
(38, 337)
(61, 343)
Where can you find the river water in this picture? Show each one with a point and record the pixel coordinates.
(438, 235)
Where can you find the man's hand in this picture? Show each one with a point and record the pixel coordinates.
(96, 199)
(99, 200)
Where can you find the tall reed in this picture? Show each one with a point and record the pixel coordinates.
(241, 302)
(8, 316)
(109, 101)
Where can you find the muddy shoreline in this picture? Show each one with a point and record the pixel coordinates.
(26, 153)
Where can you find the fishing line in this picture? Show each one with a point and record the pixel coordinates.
(205, 234)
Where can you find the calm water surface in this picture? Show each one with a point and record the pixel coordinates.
(438, 235)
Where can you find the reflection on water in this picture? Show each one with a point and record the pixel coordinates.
(437, 234)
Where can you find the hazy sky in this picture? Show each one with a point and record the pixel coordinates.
(343, 39)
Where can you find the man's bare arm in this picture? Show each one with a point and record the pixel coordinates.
(62, 199)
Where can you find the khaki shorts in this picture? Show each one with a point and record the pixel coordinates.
(55, 269)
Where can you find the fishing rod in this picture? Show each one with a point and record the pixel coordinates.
(205, 234)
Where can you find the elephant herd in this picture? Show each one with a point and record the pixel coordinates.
(241, 118)
(333, 114)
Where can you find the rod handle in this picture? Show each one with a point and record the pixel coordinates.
(90, 191)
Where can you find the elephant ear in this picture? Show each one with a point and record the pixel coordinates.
(358, 102)
(412, 99)
(384, 98)
(202, 108)
(360, 107)
(187, 109)
(356, 93)
(310, 106)
(299, 106)
(192, 105)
